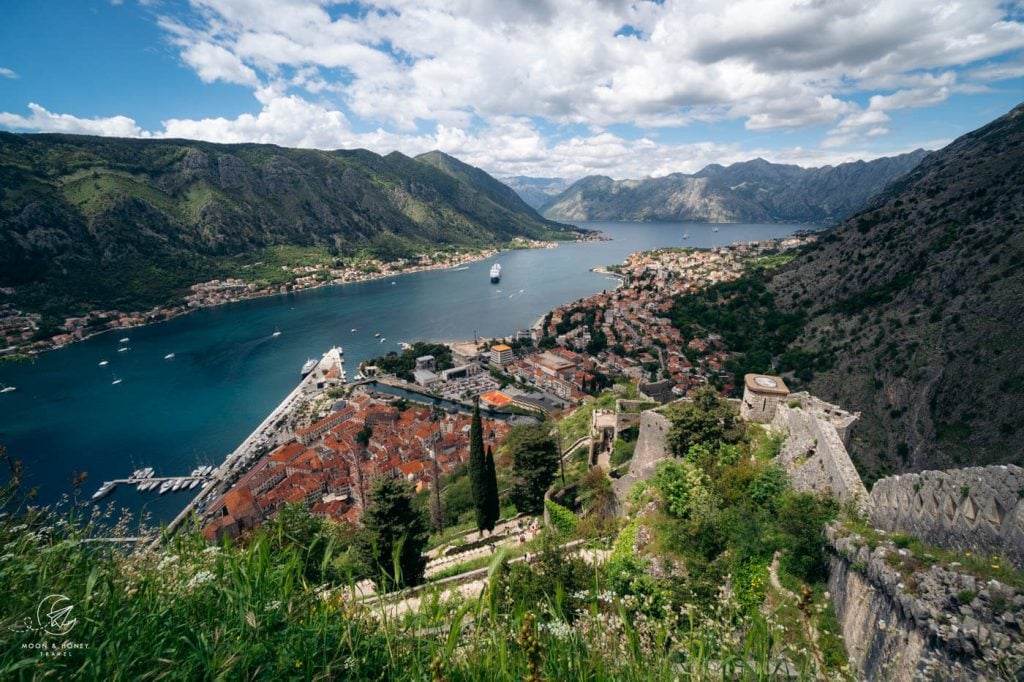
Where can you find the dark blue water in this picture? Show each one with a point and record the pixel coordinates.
(229, 372)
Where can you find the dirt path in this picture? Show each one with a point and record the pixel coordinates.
(810, 632)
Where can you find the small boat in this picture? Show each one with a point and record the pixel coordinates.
(169, 356)
(105, 489)
(147, 472)
(136, 474)
(686, 235)
(354, 330)
(143, 486)
(104, 363)
(8, 389)
(382, 339)
(377, 335)
(165, 486)
(193, 484)
(176, 485)
(714, 229)
(393, 283)
(277, 333)
(309, 366)
(116, 380)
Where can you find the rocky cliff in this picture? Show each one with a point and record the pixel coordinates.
(753, 191)
(919, 303)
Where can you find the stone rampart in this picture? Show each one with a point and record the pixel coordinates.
(978, 509)
(814, 454)
(651, 448)
(932, 623)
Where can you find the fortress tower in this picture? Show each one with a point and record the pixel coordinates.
(761, 395)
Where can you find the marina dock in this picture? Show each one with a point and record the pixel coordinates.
(237, 461)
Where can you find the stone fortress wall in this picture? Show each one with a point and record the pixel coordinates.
(978, 509)
(814, 453)
(893, 630)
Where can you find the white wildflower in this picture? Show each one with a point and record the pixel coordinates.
(200, 578)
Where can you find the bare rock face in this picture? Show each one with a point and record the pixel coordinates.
(753, 191)
(919, 299)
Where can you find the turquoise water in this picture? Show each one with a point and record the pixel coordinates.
(229, 371)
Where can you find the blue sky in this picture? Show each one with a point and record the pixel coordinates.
(535, 87)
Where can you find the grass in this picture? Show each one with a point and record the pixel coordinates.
(246, 612)
(921, 556)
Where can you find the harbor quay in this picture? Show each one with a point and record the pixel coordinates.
(327, 373)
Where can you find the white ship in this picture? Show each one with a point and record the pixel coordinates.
(105, 489)
(309, 366)
(495, 273)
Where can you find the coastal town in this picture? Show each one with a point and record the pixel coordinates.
(331, 448)
(580, 348)
(22, 333)
(330, 464)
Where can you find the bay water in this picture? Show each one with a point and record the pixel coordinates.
(229, 371)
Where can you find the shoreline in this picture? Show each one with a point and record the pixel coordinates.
(174, 313)
(30, 355)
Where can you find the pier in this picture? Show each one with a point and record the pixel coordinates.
(235, 463)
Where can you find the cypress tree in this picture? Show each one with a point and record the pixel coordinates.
(478, 470)
(493, 506)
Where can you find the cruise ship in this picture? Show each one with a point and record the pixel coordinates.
(309, 366)
(495, 273)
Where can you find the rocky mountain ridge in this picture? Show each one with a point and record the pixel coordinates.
(752, 191)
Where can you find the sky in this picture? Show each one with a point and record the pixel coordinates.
(544, 88)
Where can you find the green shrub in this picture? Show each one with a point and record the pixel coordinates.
(564, 521)
(684, 489)
(622, 452)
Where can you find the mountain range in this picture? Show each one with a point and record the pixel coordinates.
(918, 304)
(90, 222)
(537, 192)
(753, 191)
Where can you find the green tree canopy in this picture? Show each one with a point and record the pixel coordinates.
(394, 535)
(535, 461)
(479, 474)
(707, 420)
(493, 505)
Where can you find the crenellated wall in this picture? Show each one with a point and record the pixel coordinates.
(977, 509)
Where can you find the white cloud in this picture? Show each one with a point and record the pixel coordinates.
(214, 63)
(7, 73)
(407, 61)
(47, 122)
(546, 87)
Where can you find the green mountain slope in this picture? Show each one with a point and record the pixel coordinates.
(919, 302)
(98, 222)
